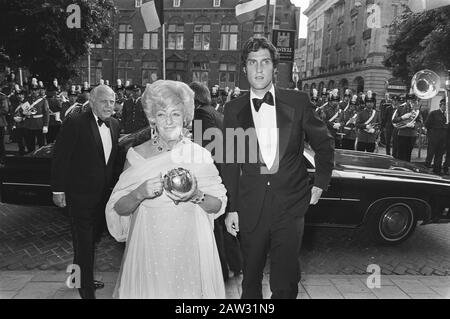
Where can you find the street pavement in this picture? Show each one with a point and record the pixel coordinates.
(36, 248)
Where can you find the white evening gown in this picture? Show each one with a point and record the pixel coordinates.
(170, 249)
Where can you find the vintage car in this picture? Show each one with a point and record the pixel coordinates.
(386, 196)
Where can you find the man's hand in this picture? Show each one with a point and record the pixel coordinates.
(232, 223)
(316, 192)
(336, 126)
(59, 200)
(45, 130)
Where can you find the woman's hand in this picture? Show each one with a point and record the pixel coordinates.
(151, 188)
(184, 197)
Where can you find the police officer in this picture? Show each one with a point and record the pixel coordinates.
(331, 114)
(133, 116)
(55, 106)
(367, 122)
(36, 119)
(411, 121)
(437, 127)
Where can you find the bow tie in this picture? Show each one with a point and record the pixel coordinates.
(268, 98)
(100, 122)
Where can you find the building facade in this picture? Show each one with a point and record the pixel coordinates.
(203, 43)
(346, 44)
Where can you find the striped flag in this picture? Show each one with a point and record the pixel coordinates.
(424, 5)
(152, 14)
(246, 10)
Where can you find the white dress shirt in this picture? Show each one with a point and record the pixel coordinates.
(105, 135)
(266, 128)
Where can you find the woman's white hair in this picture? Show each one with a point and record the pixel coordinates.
(163, 93)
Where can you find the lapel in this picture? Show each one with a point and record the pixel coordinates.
(285, 115)
(96, 134)
(244, 116)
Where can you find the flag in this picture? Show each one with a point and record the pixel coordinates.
(152, 14)
(247, 10)
(424, 5)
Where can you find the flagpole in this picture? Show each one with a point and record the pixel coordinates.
(164, 50)
(274, 12)
(266, 20)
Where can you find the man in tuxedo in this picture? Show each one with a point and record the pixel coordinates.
(268, 197)
(436, 125)
(82, 174)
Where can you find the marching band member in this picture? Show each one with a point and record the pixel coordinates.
(409, 121)
(367, 122)
(331, 114)
(398, 107)
(19, 118)
(36, 119)
(71, 107)
(55, 106)
(315, 99)
(349, 119)
(83, 98)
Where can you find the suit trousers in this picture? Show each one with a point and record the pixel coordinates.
(388, 139)
(2, 142)
(405, 147)
(436, 148)
(53, 131)
(87, 228)
(279, 234)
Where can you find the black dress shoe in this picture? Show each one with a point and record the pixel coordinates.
(98, 284)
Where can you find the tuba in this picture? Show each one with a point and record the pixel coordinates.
(426, 84)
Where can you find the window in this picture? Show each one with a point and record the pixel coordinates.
(176, 3)
(150, 41)
(201, 36)
(96, 71)
(227, 73)
(351, 50)
(175, 70)
(138, 3)
(258, 30)
(327, 62)
(339, 57)
(330, 37)
(216, 3)
(366, 48)
(125, 36)
(200, 72)
(149, 72)
(340, 29)
(228, 37)
(124, 70)
(175, 36)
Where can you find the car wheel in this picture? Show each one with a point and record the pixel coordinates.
(392, 223)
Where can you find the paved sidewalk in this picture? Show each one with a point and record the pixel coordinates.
(51, 285)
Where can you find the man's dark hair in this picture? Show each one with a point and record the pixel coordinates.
(202, 95)
(254, 44)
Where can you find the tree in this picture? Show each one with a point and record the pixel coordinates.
(34, 34)
(421, 41)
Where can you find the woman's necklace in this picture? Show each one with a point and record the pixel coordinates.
(161, 145)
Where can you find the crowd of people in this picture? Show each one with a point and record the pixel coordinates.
(357, 122)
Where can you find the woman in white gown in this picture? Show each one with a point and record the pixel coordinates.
(170, 246)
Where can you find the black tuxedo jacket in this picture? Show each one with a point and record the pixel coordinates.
(78, 166)
(288, 178)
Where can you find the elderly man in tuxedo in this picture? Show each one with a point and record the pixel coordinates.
(82, 175)
(269, 196)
